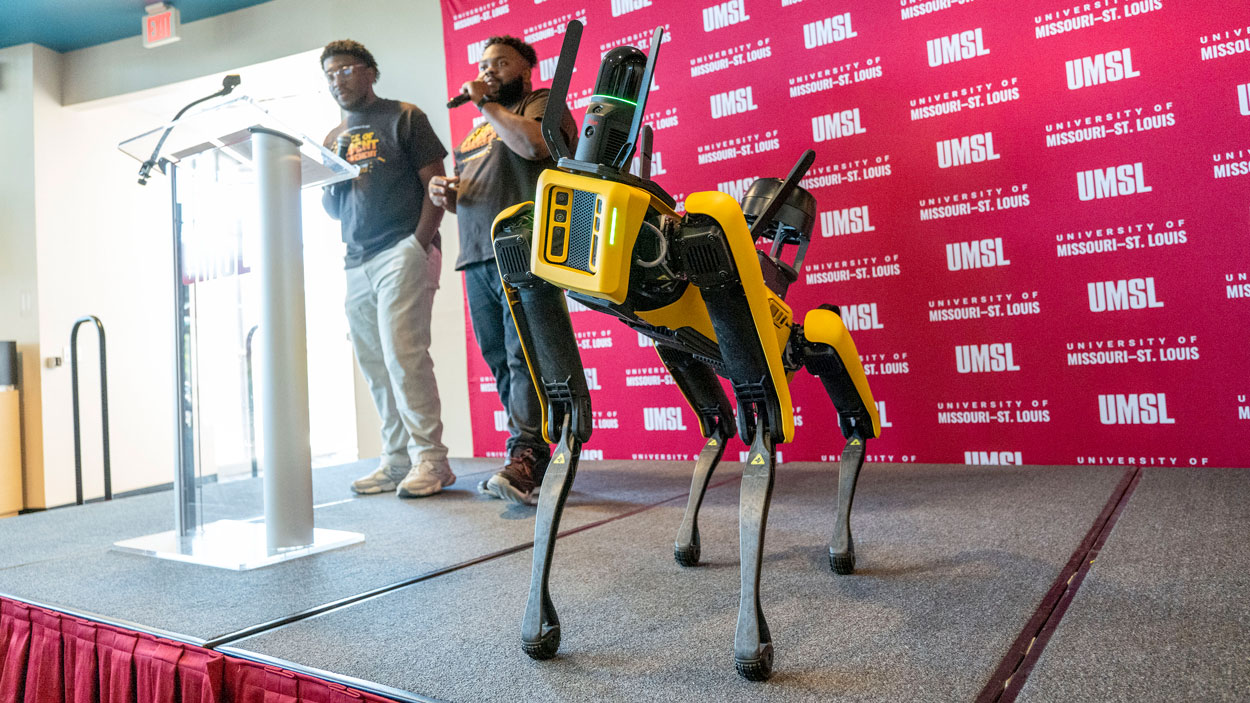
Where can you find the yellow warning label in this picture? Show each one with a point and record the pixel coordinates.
(759, 459)
(855, 442)
(711, 443)
(558, 460)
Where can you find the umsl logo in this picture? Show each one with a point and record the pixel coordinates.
(592, 454)
(828, 31)
(1124, 294)
(644, 340)
(1243, 97)
(835, 125)
(662, 419)
(881, 415)
(993, 459)
(501, 420)
(984, 358)
(1112, 66)
(848, 220)
(547, 67)
(1134, 409)
(736, 189)
(724, 15)
(475, 51)
(1113, 181)
(862, 316)
(732, 102)
(977, 254)
(592, 379)
(961, 151)
(657, 165)
(620, 7)
(956, 47)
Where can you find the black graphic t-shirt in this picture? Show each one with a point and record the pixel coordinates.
(390, 141)
(493, 178)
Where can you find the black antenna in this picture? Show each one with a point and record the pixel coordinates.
(644, 155)
(557, 110)
(792, 181)
(627, 149)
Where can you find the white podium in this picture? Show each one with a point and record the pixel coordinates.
(239, 139)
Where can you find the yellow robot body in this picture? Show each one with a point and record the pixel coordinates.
(584, 232)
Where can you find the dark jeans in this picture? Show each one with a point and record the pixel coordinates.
(501, 348)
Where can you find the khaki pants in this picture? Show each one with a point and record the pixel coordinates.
(389, 303)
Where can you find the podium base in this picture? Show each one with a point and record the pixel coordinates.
(232, 544)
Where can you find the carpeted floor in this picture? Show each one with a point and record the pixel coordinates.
(953, 561)
(403, 539)
(1164, 613)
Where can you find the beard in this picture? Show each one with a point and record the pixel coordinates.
(511, 92)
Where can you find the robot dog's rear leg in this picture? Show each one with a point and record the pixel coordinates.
(699, 384)
(830, 355)
(753, 646)
(686, 549)
(842, 546)
(540, 628)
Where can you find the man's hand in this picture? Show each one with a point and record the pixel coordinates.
(476, 90)
(442, 192)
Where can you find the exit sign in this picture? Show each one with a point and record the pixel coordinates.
(160, 26)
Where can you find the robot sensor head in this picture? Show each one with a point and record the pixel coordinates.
(606, 128)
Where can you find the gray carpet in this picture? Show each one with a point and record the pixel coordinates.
(952, 563)
(404, 539)
(86, 529)
(1164, 613)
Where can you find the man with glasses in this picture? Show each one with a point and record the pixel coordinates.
(497, 165)
(393, 262)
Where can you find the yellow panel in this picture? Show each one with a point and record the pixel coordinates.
(725, 210)
(826, 327)
(624, 209)
(688, 311)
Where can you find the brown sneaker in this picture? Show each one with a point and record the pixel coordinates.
(518, 481)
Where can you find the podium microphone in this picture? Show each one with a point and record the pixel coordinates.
(458, 100)
(228, 84)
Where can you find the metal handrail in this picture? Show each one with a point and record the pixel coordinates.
(104, 406)
(251, 405)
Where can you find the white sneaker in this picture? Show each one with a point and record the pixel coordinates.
(384, 479)
(426, 479)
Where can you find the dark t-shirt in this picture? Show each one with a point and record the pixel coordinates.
(391, 142)
(493, 178)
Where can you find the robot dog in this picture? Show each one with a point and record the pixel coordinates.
(695, 284)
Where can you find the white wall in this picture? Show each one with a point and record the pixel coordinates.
(103, 242)
(19, 303)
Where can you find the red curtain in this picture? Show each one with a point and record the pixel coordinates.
(51, 657)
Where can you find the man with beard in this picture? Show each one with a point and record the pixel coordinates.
(393, 263)
(497, 166)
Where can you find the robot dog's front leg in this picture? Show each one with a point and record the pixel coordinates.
(546, 332)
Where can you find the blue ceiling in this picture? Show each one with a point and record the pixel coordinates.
(65, 25)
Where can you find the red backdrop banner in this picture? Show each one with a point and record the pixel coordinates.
(1034, 215)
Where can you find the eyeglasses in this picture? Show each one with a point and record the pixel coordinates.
(344, 71)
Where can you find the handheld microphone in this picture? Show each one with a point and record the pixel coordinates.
(345, 141)
(458, 100)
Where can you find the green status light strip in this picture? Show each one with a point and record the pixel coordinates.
(613, 97)
(612, 235)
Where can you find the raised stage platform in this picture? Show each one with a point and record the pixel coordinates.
(972, 583)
